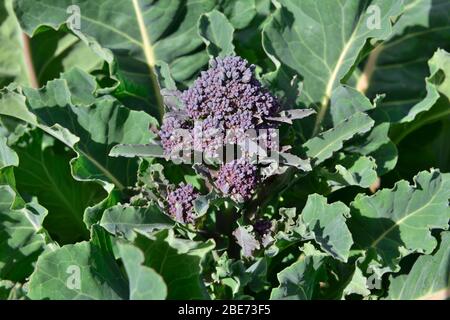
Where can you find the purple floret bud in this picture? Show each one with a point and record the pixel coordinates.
(175, 134)
(238, 179)
(181, 203)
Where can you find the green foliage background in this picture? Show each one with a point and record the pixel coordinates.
(369, 220)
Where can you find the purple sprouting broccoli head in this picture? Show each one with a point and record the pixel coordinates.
(181, 203)
(226, 96)
(238, 179)
(227, 90)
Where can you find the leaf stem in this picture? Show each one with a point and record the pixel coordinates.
(320, 116)
(28, 59)
(364, 79)
(150, 58)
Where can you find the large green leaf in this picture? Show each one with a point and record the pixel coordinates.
(326, 223)
(123, 220)
(166, 254)
(21, 236)
(324, 145)
(321, 41)
(145, 283)
(300, 280)
(44, 172)
(217, 33)
(398, 66)
(42, 58)
(86, 270)
(90, 130)
(429, 278)
(137, 32)
(395, 222)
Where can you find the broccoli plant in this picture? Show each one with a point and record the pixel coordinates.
(209, 149)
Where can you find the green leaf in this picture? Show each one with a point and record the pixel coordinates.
(7, 178)
(437, 109)
(44, 172)
(82, 86)
(286, 233)
(287, 116)
(183, 68)
(377, 144)
(93, 215)
(285, 84)
(436, 82)
(439, 71)
(165, 254)
(90, 130)
(151, 150)
(428, 136)
(300, 280)
(217, 33)
(234, 275)
(322, 40)
(351, 170)
(86, 270)
(145, 283)
(399, 66)
(203, 202)
(143, 33)
(13, 67)
(42, 58)
(395, 222)
(325, 144)
(345, 101)
(7, 155)
(326, 223)
(54, 52)
(429, 278)
(357, 284)
(21, 236)
(165, 76)
(439, 112)
(239, 12)
(123, 220)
